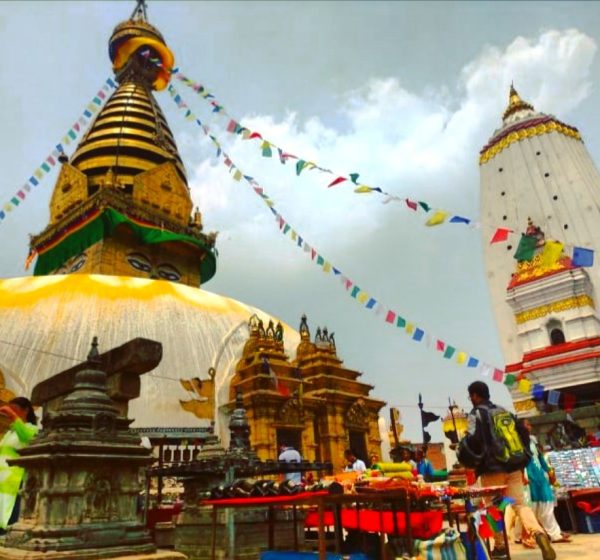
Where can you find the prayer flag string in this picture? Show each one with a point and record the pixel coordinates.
(54, 156)
(390, 316)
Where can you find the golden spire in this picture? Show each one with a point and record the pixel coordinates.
(515, 103)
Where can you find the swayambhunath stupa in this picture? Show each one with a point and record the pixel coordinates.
(125, 255)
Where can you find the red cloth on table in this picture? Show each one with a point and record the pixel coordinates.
(312, 519)
(264, 501)
(425, 524)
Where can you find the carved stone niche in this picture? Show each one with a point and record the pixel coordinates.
(291, 412)
(357, 416)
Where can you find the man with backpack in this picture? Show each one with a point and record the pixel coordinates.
(497, 447)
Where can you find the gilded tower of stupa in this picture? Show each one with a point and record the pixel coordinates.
(121, 204)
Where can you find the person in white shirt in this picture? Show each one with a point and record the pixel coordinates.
(290, 455)
(353, 462)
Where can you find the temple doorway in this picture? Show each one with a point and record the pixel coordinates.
(287, 436)
(358, 444)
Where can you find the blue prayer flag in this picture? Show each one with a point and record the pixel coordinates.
(553, 397)
(33, 181)
(582, 257)
(459, 220)
(418, 334)
(371, 303)
(538, 392)
(473, 362)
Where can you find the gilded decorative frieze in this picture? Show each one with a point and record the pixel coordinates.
(536, 268)
(518, 135)
(524, 406)
(555, 306)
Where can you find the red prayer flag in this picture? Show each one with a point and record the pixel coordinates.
(313, 254)
(255, 135)
(501, 235)
(412, 205)
(440, 345)
(569, 401)
(348, 284)
(498, 375)
(337, 181)
(391, 317)
(231, 126)
(485, 531)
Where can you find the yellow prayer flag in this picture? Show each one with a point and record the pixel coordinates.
(237, 175)
(327, 267)
(246, 134)
(439, 217)
(410, 328)
(363, 189)
(362, 297)
(38, 173)
(552, 252)
(461, 358)
(8, 207)
(293, 235)
(525, 386)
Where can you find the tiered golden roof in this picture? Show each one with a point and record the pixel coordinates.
(515, 103)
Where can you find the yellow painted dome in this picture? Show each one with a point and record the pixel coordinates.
(47, 323)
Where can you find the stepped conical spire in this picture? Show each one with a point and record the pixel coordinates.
(515, 103)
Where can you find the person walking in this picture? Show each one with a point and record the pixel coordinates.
(496, 445)
(290, 455)
(23, 428)
(540, 490)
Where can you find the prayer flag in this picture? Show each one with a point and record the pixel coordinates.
(300, 166)
(428, 417)
(363, 189)
(231, 126)
(498, 375)
(320, 260)
(439, 217)
(459, 220)
(362, 297)
(410, 327)
(449, 351)
(582, 257)
(237, 175)
(538, 392)
(281, 157)
(51, 160)
(15, 200)
(266, 149)
(286, 228)
(412, 205)
(33, 181)
(354, 291)
(486, 369)
(461, 358)
(354, 177)
(526, 248)
(400, 322)
(473, 362)
(424, 205)
(418, 334)
(255, 135)
(371, 303)
(2, 215)
(525, 386)
(21, 195)
(390, 317)
(553, 397)
(500, 235)
(569, 401)
(510, 380)
(45, 167)
(551, 252)
(327, 267)
(313, 254)
(337, 181)
(38, 173)
(440, 345)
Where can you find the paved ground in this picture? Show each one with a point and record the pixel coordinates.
(583, 547)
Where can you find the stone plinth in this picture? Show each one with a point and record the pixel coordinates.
(90, 554)
(241, 534)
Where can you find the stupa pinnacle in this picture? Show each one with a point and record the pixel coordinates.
(121, 204)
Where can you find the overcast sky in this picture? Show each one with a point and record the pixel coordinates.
(403, 93)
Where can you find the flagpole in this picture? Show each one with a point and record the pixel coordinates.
(422, 423)
(451, 407)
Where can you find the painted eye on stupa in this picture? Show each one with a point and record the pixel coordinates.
(78, 262)
(168, 272)
(139, 262)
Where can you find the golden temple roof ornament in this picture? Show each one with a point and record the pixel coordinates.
(515, 104)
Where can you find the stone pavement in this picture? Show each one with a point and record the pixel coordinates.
(583, 547)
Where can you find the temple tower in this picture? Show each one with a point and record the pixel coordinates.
(538, 180)
(121, 204)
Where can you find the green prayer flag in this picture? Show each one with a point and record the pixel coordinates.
(355, 291)
(526, 248)
(72, 134)
(320, 260)
(266, 149)
(400, 322)
(510, 379)
(45, 167)
(354, 177)
(425, 206)
(449, 352)
(286, 228)
(300, 166)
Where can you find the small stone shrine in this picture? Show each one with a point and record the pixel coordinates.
(80, 496)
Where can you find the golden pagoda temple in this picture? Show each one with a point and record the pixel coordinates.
(311, 402)
(124, 255)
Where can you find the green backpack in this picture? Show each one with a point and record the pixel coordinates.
(506, 444)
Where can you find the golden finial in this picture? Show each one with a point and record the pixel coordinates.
(515, 103)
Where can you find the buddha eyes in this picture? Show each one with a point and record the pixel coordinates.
(139, 262)
(168, 272)
(78, 262)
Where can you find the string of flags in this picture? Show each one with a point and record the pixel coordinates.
(435, 216)
(390, 316)
(53, 157)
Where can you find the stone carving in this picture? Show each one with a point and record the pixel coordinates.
(357, 415)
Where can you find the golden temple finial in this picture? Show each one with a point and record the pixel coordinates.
(515, 103)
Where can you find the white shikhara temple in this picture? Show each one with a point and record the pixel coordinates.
(537, 177)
